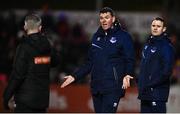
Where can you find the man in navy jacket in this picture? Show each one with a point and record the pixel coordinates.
(156, 68)
(110, 61)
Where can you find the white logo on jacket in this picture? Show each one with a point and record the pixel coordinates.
(98, 38)
(115, 105)
(145, 47)
(113, 40)
(153, 50)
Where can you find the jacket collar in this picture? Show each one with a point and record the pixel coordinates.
(152, 39)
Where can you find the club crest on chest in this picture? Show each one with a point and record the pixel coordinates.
(113, 40)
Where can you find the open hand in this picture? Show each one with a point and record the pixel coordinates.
(69, 80)
(126, 81)
(11, 103)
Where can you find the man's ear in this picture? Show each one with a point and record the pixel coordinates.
(114, 19)
(25, 27)
(164, 29)
(40, 27)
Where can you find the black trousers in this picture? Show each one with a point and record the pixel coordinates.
(153, 106)
(106, 102)
(23, 108)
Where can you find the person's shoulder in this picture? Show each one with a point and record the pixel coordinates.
(22, 46)
(121, 31)
(94, 36)
(23, 42)
(123, 34)
(166, 41)
(98, 32)
(166, 44)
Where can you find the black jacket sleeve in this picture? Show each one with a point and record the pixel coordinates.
(129, 54)
(55, 57)
(17, 75)
(84, 69)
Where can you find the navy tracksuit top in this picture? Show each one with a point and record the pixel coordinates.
(110, 58)
(155, 69)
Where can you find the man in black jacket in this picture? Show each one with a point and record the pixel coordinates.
(155, 70)
(29, 81)
(110, 62)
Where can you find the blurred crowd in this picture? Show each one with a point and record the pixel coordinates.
(70, 40)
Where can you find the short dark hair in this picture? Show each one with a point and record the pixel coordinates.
(33, 21)
(160, 19)
(107, 9)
